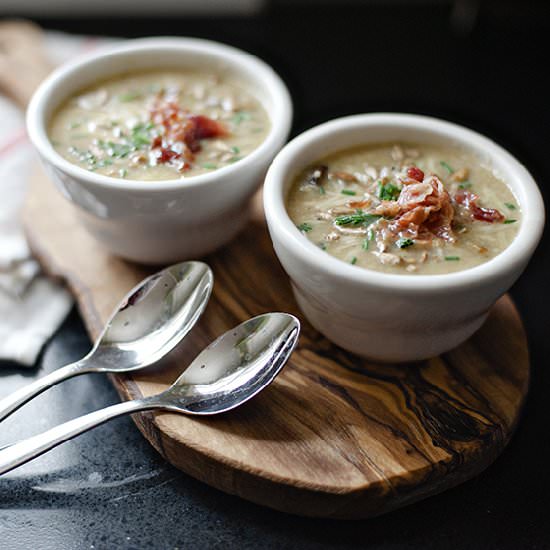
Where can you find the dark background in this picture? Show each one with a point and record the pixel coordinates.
(481, 64)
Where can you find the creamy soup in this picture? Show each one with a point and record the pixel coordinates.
(159, 125)
(405, 208)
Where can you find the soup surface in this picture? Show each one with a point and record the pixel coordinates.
(159, 125)
(405, 208)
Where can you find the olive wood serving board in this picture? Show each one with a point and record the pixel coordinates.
(334, 436)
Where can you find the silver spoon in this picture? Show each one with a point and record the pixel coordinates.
(230, 371)
(148, 323)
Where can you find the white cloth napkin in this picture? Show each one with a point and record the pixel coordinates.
(32, 307)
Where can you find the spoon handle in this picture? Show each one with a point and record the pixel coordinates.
(19, 453)
(20, 397)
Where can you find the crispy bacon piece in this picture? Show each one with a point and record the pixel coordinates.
(183, 132)
(415, 173)
(469, 201)
(388, 209)
(425, 211)
(344, 176)
(359, 204)
(199, 127)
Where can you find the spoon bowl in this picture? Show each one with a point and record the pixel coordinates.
(236, 366)
(152, 318)
(148, 323)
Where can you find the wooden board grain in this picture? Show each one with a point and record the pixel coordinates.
(334, 436)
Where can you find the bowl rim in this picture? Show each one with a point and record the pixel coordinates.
(280, 116)
(510, 259)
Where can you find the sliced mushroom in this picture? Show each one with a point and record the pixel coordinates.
(371, 172)
(341, 210)
(387, 258)
(397, 153)
(460, 175)
(93, 100)
(351, 230)
(344, 176)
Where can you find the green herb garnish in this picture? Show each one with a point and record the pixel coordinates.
(452, 258)
(129, 96)
(353, 261)
(465, 185)
(139, 139)
(123, 172)
(323, 246)
(510, 205)
(370, 237)
(209, 166)
(322, 190)
(240, 116)
(388, 192)
(74, 125)
(404, 243)
(235, 159)
(305, 227)
(360, 218)
(235, 150)
(446, 166)
(117, 150)
(348, 192)
(509, 221)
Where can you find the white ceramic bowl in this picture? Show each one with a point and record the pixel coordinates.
(162, 221)
(382, 316)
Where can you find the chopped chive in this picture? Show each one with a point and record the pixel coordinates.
(465, 185)
(129, 96)
(509, 221)
(322, 190)
(510, 205)
(140, 139)
(154, 88)
(209, 166)
(116, 150)
(359, 218)
(323, 246)
(446, 166)
(366, 244)
(235, 150)
(123, 172)
(353, 261)
(452, 258)
(388, 192)
(240, 116)
(305, 227)
(404, 243)
(348, 192)
(235, 158)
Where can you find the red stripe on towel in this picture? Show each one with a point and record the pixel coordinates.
(14, 141)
